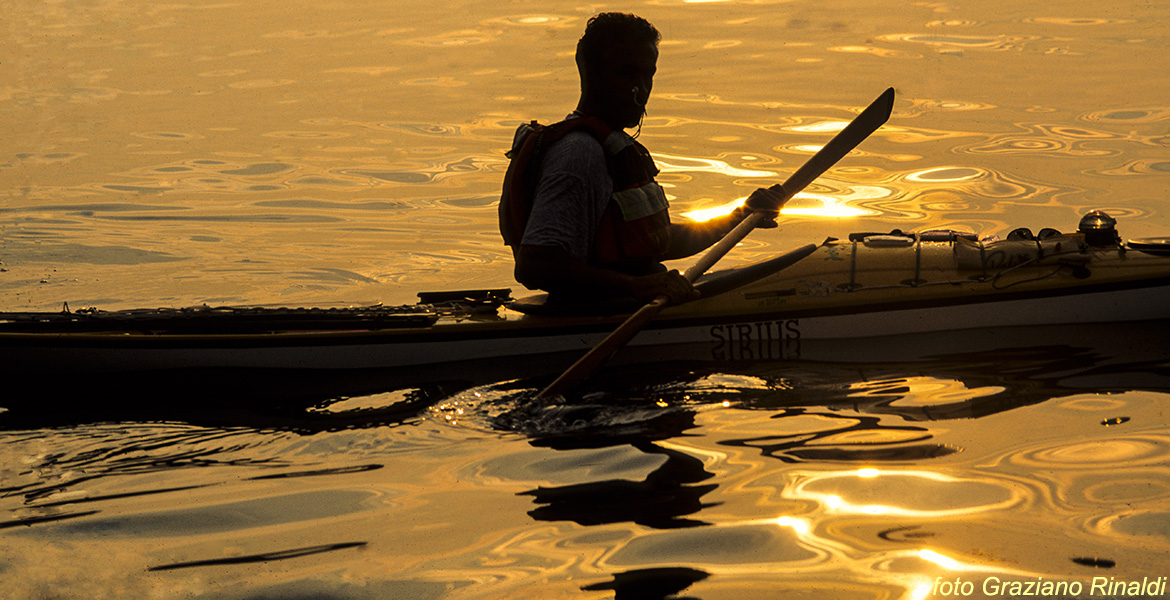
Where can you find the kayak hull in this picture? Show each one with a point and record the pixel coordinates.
(777, 334)
(842, 293)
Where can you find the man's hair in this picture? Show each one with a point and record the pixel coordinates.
(610, 28)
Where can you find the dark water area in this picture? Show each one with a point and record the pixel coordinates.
(764, 479)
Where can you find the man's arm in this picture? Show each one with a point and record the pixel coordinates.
(688, 239)
(555, 270)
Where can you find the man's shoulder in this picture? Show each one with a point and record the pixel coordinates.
(576, 147)
(582, 137)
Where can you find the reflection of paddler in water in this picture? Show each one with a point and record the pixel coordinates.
(580, 208)
(663, 500)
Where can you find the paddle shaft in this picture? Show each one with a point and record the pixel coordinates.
(864, 124)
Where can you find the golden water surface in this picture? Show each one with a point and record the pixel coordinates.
(266, 152)
(323, 153)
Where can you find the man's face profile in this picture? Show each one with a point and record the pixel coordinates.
(621, 82)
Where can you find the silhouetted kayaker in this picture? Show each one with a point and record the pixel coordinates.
(580, 208)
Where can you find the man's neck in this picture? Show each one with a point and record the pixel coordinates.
(586, 109)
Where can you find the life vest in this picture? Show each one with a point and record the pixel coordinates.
(634, 228)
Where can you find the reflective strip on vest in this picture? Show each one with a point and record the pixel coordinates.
(640, 202)
(616, 142)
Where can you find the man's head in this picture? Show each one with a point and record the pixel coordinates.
(617, 58)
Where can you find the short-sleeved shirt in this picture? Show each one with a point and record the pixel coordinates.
(571, 197)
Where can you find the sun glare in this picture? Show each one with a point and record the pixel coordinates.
(945, 562)
(822, 127)
(800, 526)
(921, 592)
(829, 207)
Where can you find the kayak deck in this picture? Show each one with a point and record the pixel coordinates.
(869, 286)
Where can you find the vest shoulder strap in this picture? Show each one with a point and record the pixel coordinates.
(529, 145)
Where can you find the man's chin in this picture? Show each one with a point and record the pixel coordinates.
(625, 119)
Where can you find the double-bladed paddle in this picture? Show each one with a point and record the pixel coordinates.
(864, 124)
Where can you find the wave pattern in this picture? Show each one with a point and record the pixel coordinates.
(389, 132)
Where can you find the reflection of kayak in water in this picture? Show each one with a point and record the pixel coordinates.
(867, 286)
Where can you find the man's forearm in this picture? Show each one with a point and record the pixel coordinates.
(688, 239)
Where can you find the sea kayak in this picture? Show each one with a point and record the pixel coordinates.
(866, 286)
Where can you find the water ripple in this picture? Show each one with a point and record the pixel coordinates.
(323, 205)
(166, 135)
(1148, 528)
(1076, 21)
(953, 23)
(1141, 166)
(875, 51)
(426, 129)
(1129, 452)
(260, 83)
(1128, 115)
(1042, 139)
(303, 135)
(260, 169)
(996, 43)
(884, 492)
(466, 37)
(308, 34)
(535, 19)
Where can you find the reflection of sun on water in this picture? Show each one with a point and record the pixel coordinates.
(920, 570)
(841, 492)
(945, 562)
(821, 127)
(823, 205)
(829, 205)
(924, 391)
(669, 163)
(946, 175)
(800, 526)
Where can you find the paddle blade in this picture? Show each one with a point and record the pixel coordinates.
(874, 115)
